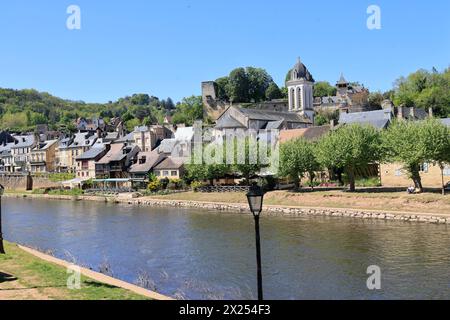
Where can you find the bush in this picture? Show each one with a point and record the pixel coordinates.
(164, 183)
(175, 184)
(154, 186)
(368, 182)
(58, 177)
(268, 183)
(38, 191)
(68, 192)
(195, 185)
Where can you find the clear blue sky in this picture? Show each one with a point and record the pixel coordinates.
(166, 48)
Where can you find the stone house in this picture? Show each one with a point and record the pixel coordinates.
(63, 155)
(86, 162)
(21, 152)
(116, 162)
(170, 168)
(148, 138)
(82, 142)
(146, 161)
(43, 157)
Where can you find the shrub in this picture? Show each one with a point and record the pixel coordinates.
(154, 186)
(64, 192)
(164, 183)
(195, 185)
(58, 177)
(175, 184)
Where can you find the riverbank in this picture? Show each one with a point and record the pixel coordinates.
(427, 207)
(26, 274)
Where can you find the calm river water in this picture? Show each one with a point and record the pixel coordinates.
(207, 255)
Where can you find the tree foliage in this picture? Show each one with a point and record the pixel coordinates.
(188, 111)
(324, 89)
(22, 110)
(298, 157)
(244, 85)
(348, 148)
(424, 89)
(416, 143)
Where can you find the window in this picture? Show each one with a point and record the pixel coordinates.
(157, 173)
(424, 167)
(447, 171)
(398, 172)
(174, 173)
(165, 173)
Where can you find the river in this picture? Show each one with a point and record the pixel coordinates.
(199, 254)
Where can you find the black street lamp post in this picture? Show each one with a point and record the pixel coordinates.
(255, 200)
(2, 250)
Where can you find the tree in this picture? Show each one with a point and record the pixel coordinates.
(376, 99)
(324, 89)
(244, 85)
(245, 151)
(348, 148)
(273, 92)
(222, 84)
(140, 99)
(424, 89)
(188, 111)
(169, 104)
(238, 86)
(436, 142)
(258, 81)
(297, 157)
(402, 143)
(324, 117)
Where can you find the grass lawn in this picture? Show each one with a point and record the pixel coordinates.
(25, 277)
(390, 201)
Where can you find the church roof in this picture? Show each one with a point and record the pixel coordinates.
(300, 72)
(342, 80)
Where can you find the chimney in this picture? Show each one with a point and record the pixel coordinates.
(430, 112)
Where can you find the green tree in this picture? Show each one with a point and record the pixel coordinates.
(324, 89)
(297, 157)
(222, 84)
(348, 148)
(188, 111)
(424, 89)
(402, 143)
(273, 92)
(435, 138)
(258, 81)
(238, 86)
(247, 161)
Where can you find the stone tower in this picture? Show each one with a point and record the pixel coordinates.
(342, 86)
(300, 91)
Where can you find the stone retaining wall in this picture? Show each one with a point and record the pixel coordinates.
(19, 182)
(268, 210)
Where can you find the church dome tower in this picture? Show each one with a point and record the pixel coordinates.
(300, 90)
